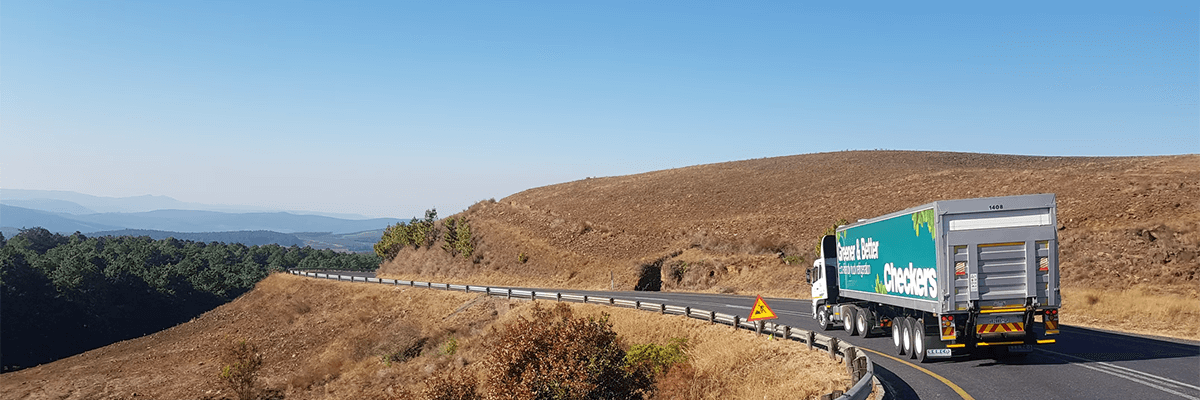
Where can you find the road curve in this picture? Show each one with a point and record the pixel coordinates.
(1084, 364)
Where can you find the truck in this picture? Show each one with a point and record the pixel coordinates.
(946, 278)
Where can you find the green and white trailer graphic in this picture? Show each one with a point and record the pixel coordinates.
(894, 256)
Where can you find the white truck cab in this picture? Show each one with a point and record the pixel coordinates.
(823, 277)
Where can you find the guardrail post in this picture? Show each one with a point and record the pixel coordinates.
(687, 312)
(662, 308)
(558, 296)
(787, 332)
(712, 317)
(532, 295)
(466, 288)
(833, 346)
(637, 304)
(850, 353)
(812, 337)
(585, 298)
(510, 294)
(735, 322)
(612, 301)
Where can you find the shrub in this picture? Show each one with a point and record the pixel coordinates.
(522, 258)
(656, 359)
(450, 347)
(242, 362)
(792, 260)
(555, 356)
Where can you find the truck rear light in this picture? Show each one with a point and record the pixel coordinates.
(1043, 263)
(948, 327)
(960, 268)
(1050, 320)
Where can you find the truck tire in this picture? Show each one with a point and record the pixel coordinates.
(918, 334)
(906, 335)
(823, 318)
(862, 321)
(848, 313)
(898, 335)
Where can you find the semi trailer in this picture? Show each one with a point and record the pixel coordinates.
(945, 278)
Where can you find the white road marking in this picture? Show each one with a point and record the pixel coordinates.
(1132, 375)
(651, 298)
(738, 307)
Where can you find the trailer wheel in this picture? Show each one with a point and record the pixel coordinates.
(848, 313)
(823, 318)
(898, 335)
(861, 316)
(918, 337)
(906, 335)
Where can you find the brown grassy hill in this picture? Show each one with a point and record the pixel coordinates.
(1124, 223)
(324, 339)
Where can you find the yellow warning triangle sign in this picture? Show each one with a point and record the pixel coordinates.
(761, 311)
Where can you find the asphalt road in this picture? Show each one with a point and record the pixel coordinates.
(1084, 364)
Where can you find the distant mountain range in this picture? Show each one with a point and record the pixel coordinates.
(74, 203)
(185, 221)
(160, 217)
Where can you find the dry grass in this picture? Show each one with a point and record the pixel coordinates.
(322, 339)
(1135, 310)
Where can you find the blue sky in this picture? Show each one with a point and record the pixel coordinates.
(389, 108)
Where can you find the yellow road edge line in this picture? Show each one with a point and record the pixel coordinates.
(955, 388)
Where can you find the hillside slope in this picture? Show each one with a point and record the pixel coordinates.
(1123, 221)
(323, 339)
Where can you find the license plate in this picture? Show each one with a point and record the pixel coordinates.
(1021, 348)
(937, 353)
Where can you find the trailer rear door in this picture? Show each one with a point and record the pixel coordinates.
(1003, 256)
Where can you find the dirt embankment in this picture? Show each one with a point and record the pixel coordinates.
(323, 339)
(1125, 224)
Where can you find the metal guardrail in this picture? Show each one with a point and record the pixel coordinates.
(858, 365)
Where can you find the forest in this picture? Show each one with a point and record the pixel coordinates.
(62, 295)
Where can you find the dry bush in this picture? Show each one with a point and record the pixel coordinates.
(242, 361)
(554, 355)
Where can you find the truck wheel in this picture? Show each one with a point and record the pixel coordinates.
(848, 313)
(823, 319)
(906, 334)
(861, 317)
(918, 337)
(898, 335)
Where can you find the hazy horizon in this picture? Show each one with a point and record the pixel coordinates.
(386, 109)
